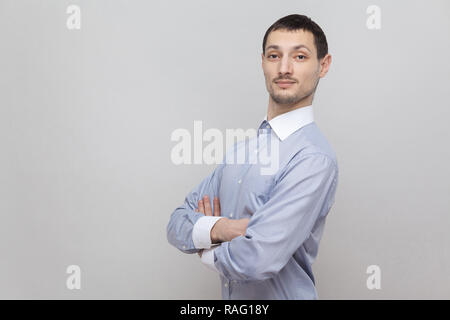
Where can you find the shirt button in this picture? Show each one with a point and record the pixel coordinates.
(239, 181)
(231, 214)
(256, 151)
(226, 285)
(184, 247)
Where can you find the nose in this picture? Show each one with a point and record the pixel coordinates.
(285, 65)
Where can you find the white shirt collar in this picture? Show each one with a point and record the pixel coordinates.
(287, 123)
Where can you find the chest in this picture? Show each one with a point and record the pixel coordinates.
(244, 189)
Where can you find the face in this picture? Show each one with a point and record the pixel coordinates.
(291, 67)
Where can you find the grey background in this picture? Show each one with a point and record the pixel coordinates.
(86, 117)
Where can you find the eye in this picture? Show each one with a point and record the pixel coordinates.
(304, 57)
(270, 55)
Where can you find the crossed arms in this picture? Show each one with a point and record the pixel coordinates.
(258, 248)
(223, 229)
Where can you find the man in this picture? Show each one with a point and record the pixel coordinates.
(261, 232)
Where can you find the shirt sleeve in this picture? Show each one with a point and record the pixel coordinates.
(208, 258)
(277, 229)
(182, 220)
(201, 233)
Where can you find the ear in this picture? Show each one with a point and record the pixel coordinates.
(325, 63)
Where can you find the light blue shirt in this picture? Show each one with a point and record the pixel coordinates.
(287, 209)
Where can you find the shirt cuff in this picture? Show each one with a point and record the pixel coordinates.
(201, 233)
(208, 258)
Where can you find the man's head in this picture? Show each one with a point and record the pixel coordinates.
(295, 50)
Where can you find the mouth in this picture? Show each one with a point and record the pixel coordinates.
(284, 84)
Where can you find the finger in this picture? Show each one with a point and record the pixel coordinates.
(201, 207)
(207, 204)
(216, 207)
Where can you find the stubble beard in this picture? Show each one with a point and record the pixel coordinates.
(283, 98)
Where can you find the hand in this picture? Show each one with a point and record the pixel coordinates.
(227, 229)
(204, 206)
(224, 229)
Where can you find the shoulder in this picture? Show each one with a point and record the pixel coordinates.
(315, 145)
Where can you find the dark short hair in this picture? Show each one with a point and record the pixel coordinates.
(300, 22)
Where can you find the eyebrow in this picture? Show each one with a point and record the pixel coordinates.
(293, 48)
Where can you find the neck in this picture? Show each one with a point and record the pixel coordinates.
(275, 109)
